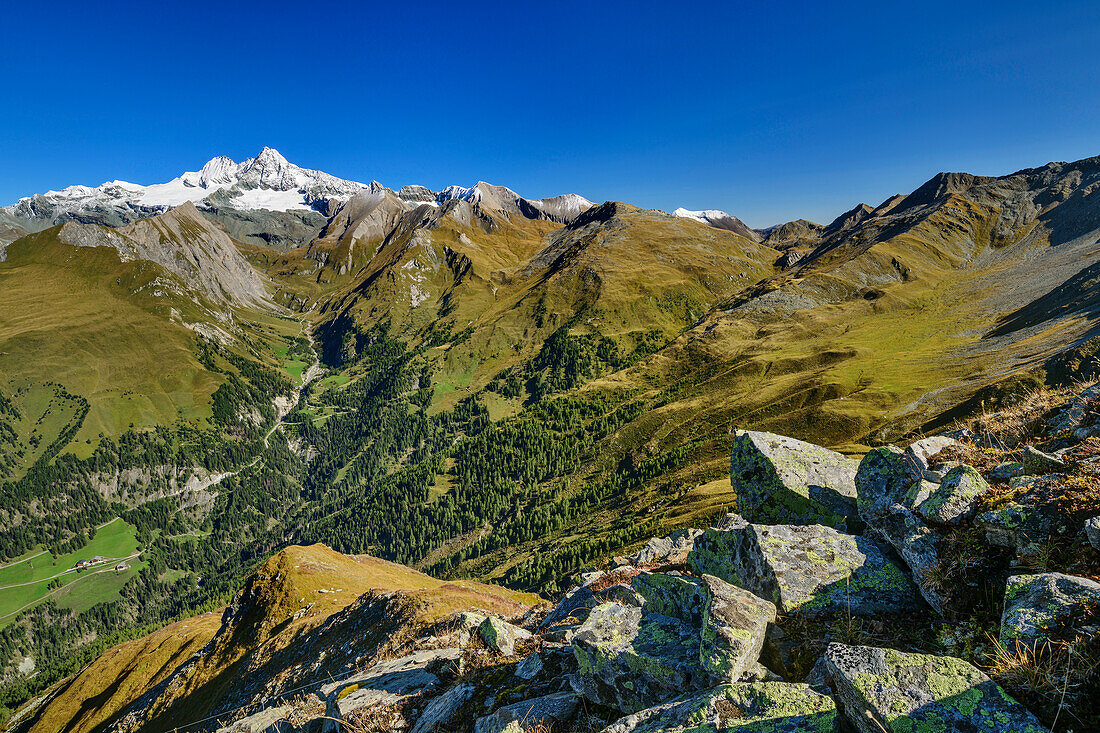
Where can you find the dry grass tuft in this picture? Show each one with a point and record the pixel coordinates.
(1017, 424)
(1058, 679)
(614, 577)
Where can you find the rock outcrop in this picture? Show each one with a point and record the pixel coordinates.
(954, 498)
(728, 628)
(631, 660)
(809, 570)
(500, 635)
(1092, 531)
(1035, 606)
(1029, 517)
(776, 707)
(782, 480)
(883, 689)
(540, 713)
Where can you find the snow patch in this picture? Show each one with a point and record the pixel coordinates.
(705, 216)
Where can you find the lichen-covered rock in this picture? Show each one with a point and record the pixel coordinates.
(1092, 532)
(731, 621)
(573, 608)
(783, 480)
(1076, 413)
(671, 550)
(886, 690)
(890, 485)
(672, 594)
(761, 707)
(1029, 516)
(541, 712)
(818, 677)
(443, 709)
(1006, 471)
(806, 569)
(632, 660)
(885, 477)
(734, 624)
(529, 667)
(757, 672)
(921, 490)
(918, 546)
(500, 635)
(1036, 604)
(921, 453)
(955, 498)
(1036, 461)
(620, 593)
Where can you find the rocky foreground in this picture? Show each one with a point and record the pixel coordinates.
(946, 586)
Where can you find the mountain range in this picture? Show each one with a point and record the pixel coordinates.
(475, 383)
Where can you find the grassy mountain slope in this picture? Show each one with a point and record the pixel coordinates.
(81, 318)
(298, 599)
(96, 337)
(482, 290)
(138, 366)
(894, 316)
(508, 396)
(90, 699)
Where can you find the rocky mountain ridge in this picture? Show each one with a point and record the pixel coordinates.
(265, 183)
(184, 243)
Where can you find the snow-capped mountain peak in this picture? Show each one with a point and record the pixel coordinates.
(558, 208)
(218, 171)
(703, 215)
(266, 182)
(271, 170)
(719, 220)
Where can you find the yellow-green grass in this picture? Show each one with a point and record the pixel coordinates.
(45, 411)
(118, 676)
(91, 590)
(110, 332)
(24, 582)
(443, 483)
(333, 381)
(171, 576)
(294, 368)
(645, 271)
(289, 598)
(84, 319)
(500, 407)
(836, 375)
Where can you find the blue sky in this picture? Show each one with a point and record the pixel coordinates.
(771, 111)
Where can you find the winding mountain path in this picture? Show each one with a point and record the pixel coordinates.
(308, 375)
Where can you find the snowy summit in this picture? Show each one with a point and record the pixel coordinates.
(267, 182)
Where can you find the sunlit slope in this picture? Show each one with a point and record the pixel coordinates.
(97, 338)
(89, 699)
(300, 599)
(101, 328)
(864, 333)
(885, 327)
(483, 289)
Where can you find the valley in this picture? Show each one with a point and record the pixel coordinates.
(486, 387)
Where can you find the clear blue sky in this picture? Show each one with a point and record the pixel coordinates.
(771, 111)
